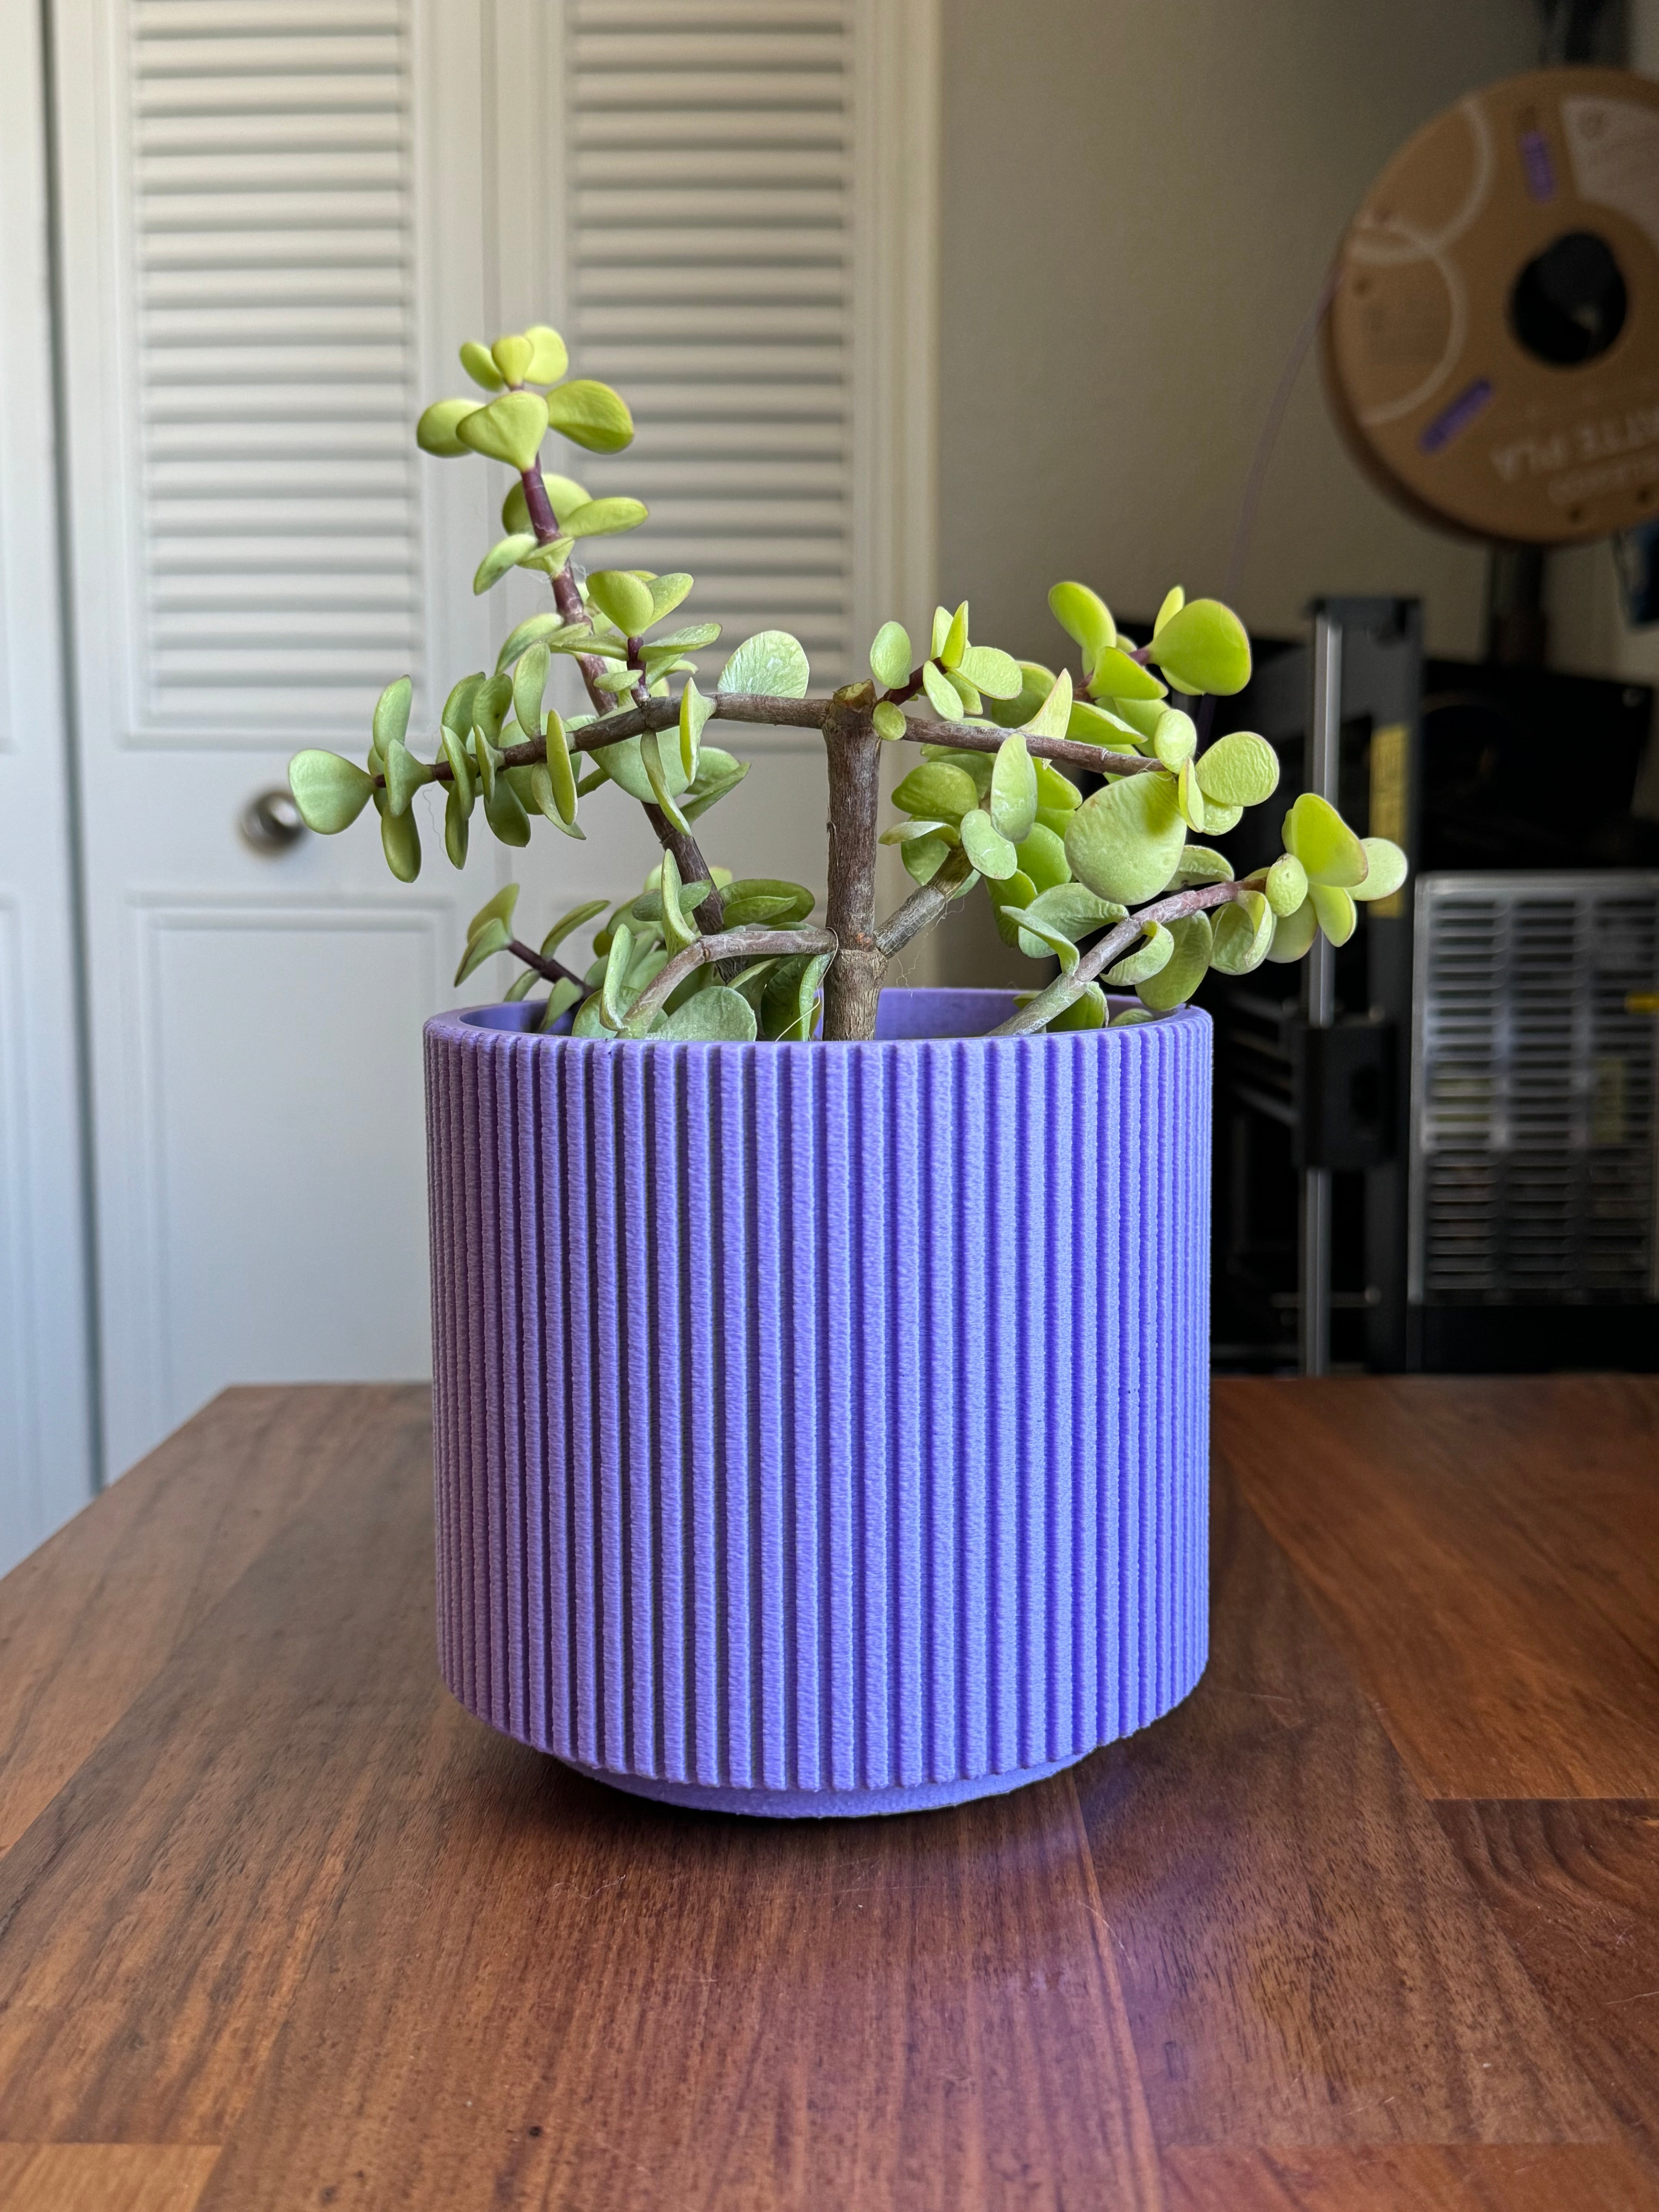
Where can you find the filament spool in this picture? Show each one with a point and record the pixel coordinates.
(1492, 346)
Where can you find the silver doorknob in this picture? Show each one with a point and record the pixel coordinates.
(270, 822)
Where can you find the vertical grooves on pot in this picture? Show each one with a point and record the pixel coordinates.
(820, 1419)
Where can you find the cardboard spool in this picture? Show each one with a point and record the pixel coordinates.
(1492, 345)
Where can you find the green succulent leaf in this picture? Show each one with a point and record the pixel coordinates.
(889, 656)
(1285, 885)
(588, 911)
(330, 792)
(549, 359)
(502, 556)
(1089, 725)
(1240, 769)
(949, 651)
(590, 414)
(751, 900)
(1175, 983)
(945, 699)
(564, 995)
(1042, 856)
(771, 664)
(937, 790)
(1189, 798)
(480, 365)
(1073, 910)
(923, 857)
(1084, 617)
(483, 944)
(1014, 793)
(1088, 1011)
(510, 429)
(797, 1029)
(989, 670)
(529, 682)
(1174, 739)
(404, 775)
(1056, 792)
(718, 773)
(992, 853)
(623, 598)
(513, 356)
(1386, 869)
(561, 770)
(1038, 940)
(1199, 864)
(1219, 819)
(1318, 836)
(1035, 683)
(435, 431)
(1152, 954)
(456, 832)
(888, 719)
(1203, 647)
(400, 840)
(614, 999)
(1243, 934)
(1124, 842)
(1131, 1018)
(1052, 717)
(1293, 934)
(603, 518)
(463, 790)
(656, 776)
(1174, 599)
(694, 711)
(718, 1016)
(1335, 910)
(1114, 676)
(391, 711)
(504, 812)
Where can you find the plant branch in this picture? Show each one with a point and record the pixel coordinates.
(854, 983)
(688, 854)
(752, 943)
(965, 739)
(926, 904)
(551, 970)
(1038, 1012)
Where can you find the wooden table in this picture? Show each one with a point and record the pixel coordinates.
(1371, 1922)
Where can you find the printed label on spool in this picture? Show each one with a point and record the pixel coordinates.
(1492, 351)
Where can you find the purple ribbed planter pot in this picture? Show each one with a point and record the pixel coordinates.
(822, 1429)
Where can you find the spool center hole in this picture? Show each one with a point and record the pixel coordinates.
(1569, 303)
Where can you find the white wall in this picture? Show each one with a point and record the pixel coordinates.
(46, 1450)
(1140, 202)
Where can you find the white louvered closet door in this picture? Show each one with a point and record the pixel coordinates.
(278, 216)
(271, 227)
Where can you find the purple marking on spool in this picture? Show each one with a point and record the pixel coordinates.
(1453, 421)
(1535, 161)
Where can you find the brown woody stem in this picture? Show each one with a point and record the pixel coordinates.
(926, 904)
(852, 985)
(1098, 757)
(551, 970)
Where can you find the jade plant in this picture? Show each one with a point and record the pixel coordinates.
(1111, 886)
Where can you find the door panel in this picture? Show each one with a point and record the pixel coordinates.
(278, 221)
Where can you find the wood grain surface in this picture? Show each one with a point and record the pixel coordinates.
(1516, 1525)
(1304, 1958)
(282, 1927)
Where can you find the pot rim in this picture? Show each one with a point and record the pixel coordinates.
(503, 1017)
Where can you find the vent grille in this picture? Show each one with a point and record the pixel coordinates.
(1534, 1174)
(711, 178)
(272, 201)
